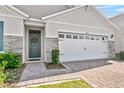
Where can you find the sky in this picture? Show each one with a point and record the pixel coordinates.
(111, 10)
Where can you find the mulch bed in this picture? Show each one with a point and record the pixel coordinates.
(54, 66)
(13, 76)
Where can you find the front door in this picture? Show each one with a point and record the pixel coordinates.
(34, 44)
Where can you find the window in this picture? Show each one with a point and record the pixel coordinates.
(92, 38)
(97, 38)
(81, 37)
(68, 36)
(61, 35)
(87, 37)
(75, 36)
(1, 35)
(103, 38)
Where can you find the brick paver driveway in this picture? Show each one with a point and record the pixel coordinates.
(107, 76)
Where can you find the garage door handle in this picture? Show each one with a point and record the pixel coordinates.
(85, 48)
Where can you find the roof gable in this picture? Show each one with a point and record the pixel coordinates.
(6, 10)
(118, 20)
(82, 15)
(119, 17)
(38, 11)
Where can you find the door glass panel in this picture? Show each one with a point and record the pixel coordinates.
(34, 44)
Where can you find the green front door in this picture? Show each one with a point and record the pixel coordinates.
(34, 44)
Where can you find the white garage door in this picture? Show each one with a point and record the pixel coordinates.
(76, 47)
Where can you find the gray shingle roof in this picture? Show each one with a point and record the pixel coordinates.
(38, 11)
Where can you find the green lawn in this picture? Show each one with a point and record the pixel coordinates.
(68, 84)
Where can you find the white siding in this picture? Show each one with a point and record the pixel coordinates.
(13, 26)
(119, 35)
(52, 30)
(82, 16)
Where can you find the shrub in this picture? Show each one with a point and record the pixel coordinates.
(2, 75)
(117, 56)
(55, 56)
(121, 55)
(13, 61)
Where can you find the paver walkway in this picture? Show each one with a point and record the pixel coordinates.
(38, 70)
(108, 76)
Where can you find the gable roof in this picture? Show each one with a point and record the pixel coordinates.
(78, 7)
(17, 11)
(116, 16)
(38, 11)
(106, 19)
(44, 12)
(60, 13)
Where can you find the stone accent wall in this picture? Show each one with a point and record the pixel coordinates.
(13, 43)
(111, 45)
(51, 43)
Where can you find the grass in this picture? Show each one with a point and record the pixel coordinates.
(54, 66)
(68, 84)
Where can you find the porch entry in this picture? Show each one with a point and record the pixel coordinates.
(34, 44)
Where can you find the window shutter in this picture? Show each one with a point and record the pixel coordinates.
(1, 35)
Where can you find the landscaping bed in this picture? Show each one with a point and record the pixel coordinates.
(12, 77)
(67, 84)
(10, 69)
(54, 66)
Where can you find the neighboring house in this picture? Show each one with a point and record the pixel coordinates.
(118, 20)
(80, 32)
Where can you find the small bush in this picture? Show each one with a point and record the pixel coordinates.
(8, 60)
(55, 56)
(117, 56)
(121, 55)
(2, 74)
(13, 61)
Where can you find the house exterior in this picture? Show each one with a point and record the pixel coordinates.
(79, 32)
(118, 20)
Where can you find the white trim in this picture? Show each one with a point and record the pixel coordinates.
(12, 16)
(62, 12)
(23, 54)
(17, 10)
(70, 31)
(27, 44)
(93, 27)
(12, 35)
(35, 58)
(34, 22)
(107, 46)
(33, 19)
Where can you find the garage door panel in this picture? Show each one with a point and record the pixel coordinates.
(82, 49)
